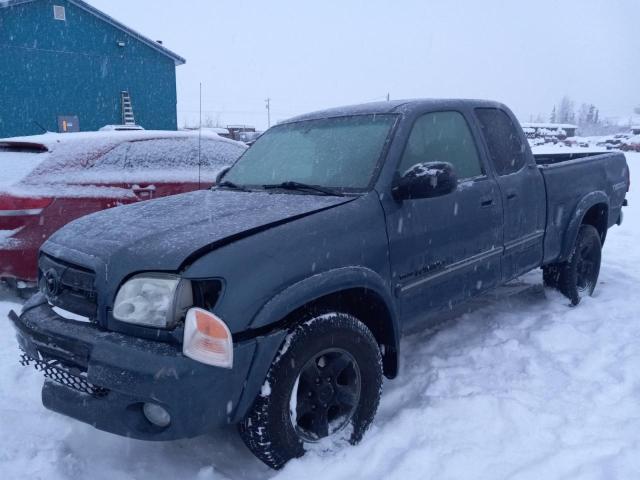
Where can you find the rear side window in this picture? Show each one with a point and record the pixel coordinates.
(181, 154)
(442, 137)
(503, 140)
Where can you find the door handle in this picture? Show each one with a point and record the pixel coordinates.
(486, 202)
(139, 189)
(144, 193)
(511, 195)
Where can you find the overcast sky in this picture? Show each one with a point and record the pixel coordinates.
(311, 55)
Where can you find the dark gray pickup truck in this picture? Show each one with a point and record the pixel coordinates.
(277, 300)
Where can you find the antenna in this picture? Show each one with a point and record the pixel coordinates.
(200, 140)
(43, 129)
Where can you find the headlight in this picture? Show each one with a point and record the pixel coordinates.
(153, 300)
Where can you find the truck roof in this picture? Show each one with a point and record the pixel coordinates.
(394, 106)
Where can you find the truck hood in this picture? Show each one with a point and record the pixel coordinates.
(164, 234)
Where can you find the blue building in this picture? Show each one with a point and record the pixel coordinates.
(66, 66)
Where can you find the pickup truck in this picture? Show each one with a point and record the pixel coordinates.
(276, 300)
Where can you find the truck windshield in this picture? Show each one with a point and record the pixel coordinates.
(338, 153)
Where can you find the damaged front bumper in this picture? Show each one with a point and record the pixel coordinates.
(105, 378)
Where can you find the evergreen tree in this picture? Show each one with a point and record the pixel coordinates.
(591, 115)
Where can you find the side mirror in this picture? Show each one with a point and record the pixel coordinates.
(426, 180)
(221, 174)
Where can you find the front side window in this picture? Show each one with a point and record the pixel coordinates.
(503, 140)
(442, 137)
(338, 153)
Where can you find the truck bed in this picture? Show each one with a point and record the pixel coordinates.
(569, 179)
(553, 157)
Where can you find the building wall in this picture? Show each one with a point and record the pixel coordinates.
(50, 68)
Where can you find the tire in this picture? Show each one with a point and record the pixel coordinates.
(578, 276)
(332, 364)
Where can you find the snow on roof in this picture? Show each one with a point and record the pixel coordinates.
(548, 125)
(218, 130)
(52, 141)
(113, 22)
(635, 127)
(41, 165)
(120, 128)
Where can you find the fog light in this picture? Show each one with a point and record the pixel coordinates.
(156, 415)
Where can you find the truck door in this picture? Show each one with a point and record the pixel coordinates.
(447, 248)
(522, 190)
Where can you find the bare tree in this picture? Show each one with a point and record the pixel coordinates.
(566, 113)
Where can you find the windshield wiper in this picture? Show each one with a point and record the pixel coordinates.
(303, 187)
(233, 186)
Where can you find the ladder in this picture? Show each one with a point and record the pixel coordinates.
(127, 109)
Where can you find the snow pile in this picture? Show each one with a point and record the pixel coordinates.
(522, 388)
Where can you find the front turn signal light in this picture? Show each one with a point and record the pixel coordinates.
(207, 339)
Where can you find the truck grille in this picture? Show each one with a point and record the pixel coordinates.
(68, 286)
(59, 372)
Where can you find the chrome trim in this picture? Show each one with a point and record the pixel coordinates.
(523, 240)
(453, 267)
(21, 213)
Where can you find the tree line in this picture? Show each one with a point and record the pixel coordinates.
(587, 117)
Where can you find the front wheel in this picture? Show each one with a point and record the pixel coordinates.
(325, 382)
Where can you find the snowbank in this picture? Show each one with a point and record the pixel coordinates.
(523, 388)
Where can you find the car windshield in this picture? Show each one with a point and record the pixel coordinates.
(338, 153)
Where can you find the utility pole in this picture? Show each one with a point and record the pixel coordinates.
(268, 102)
(200, 140)
(388, 97)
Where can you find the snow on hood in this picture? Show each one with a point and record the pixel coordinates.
(162, 234)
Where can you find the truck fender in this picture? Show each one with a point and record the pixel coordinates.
(296, 296)
(588, 201)
(323, 284)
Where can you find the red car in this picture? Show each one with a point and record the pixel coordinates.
(49, 180)
(631, 145)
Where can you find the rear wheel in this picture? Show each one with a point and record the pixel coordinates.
(577, 277)
(325, 382)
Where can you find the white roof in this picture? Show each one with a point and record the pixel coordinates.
(548, 125)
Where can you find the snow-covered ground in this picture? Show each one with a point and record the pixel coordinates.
(523, 388)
